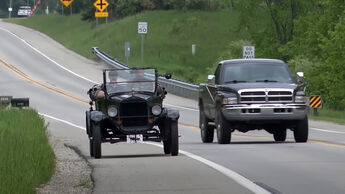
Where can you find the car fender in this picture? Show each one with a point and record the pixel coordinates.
(97, 116)
(172, 114)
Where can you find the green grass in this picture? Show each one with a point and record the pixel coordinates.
(167, 46)
(27, 160)
(329, 115)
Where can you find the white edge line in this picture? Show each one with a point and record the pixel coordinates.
(64, 68)
(327, 131)
(227, 172)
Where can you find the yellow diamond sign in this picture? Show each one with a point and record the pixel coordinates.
(66, 2)
(101, 5)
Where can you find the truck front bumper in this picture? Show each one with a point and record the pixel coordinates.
(244, 112)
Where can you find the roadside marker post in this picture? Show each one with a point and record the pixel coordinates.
(142, 29)
(315, 102)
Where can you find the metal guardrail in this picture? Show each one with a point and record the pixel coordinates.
(174, 86)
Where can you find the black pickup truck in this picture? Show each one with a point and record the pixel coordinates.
(253, 94)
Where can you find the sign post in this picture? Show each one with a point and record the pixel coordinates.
(127, 51)
(142, 29)
(248, 52)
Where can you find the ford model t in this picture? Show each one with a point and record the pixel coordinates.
(128, 108)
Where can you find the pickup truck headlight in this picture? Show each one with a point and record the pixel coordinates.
(230, 100)
(301, 99)
(112, 111)
(156, 110)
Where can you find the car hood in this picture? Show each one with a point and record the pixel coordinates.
(240, 86)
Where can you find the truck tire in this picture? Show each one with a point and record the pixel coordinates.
(223, 129)
(174, 138)
(206, 130)
(301, 130)
(280, 135)
(96, 140)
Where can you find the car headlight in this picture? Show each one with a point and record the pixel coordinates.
(156, 110)
(112, 111)
(230, 100)
(301, 99)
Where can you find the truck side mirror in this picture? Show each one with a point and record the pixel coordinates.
(211, 79)
(300, 78)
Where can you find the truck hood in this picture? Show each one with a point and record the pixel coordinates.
(240, 86)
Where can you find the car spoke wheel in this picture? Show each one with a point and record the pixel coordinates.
(97, 140)
(223, 129)
(301, 130)
(174, 138)
(206, 130)
(279, 135)
(91, 148)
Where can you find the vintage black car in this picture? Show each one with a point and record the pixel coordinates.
(128, 108)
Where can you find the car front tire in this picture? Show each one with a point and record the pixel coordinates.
(279, 135)
(97, 140)
(174, 138)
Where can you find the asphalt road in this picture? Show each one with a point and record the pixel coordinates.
(313, 167)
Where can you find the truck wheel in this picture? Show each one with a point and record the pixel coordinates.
(279, 134)
(206, 130)
(301, 130)
(174, 138)
(97, 140)
(91, 147)
(223, 129)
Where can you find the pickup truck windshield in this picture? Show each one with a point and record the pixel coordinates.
(255, 72)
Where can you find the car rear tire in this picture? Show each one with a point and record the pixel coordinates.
(279, 135)
(91, 148)
(223, 129)
(97, 140)
(174, 138)
(301, 130)
(206, 130)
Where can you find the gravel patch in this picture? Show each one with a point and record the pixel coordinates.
(72, 174)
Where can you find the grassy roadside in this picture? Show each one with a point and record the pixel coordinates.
(27, 160)
(329, 115)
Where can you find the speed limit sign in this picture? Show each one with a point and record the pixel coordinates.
(142, 27)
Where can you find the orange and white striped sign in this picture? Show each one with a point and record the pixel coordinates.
(315, 102)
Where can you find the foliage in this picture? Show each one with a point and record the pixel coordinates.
(27, 160)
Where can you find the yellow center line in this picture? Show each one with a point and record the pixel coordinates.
(26, 77)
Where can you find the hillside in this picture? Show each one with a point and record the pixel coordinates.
(167, 46)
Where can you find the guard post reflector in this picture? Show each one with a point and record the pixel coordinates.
(315, 102)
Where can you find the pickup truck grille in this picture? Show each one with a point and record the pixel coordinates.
(266, 96)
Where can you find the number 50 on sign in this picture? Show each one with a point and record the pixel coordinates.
(142, 27)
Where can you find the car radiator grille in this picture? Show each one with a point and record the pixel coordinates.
(266, 96)
(134, 114)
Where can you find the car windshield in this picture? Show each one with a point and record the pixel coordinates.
(256, 72)
(130, 80)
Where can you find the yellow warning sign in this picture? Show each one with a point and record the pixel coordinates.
(101, 14)
(315, 102)
(101, 5)
(66, 2)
